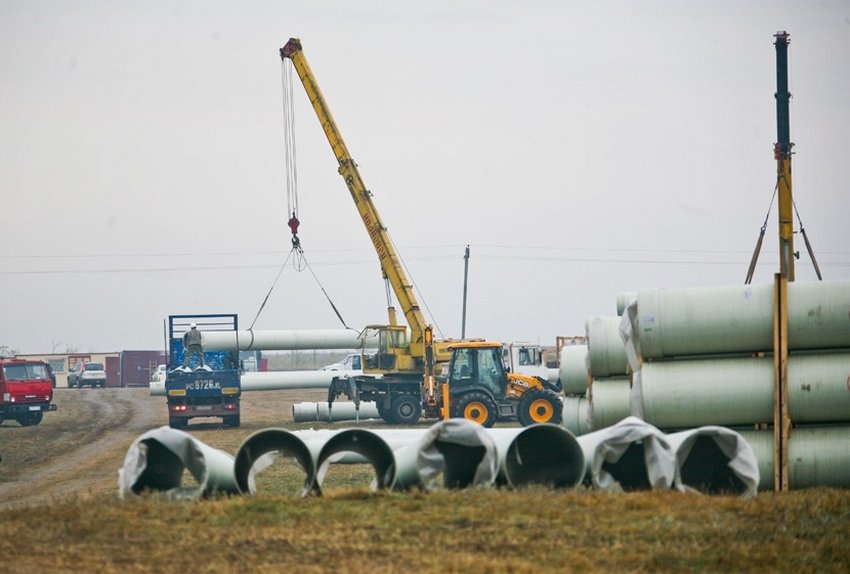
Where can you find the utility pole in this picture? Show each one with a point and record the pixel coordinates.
(782, 153)
(465, 276)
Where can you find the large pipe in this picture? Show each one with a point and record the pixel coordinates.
(157, 459)
(573, 369)
(367, 444)
(543, 454)
(817, 456)
(461, 452)
(713, 459)
(739, 319)
(610, 401)
(258, 452)
(738, 392)
(605, 348)
(575, 416)
(631, 455)
(342, 411)
(284, 340)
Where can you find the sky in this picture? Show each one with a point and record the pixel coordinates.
(580, 149)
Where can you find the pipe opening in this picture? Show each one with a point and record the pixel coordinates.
(461, 464)
(630, 470)
(370, 446)
(545, 455)
(264, 462)
(707, 469)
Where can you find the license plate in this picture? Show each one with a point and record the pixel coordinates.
(203, 408)
(35, 408)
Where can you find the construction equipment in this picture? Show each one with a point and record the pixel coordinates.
(400, 377)
(482, 390)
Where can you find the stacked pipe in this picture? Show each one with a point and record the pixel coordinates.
(703, 357)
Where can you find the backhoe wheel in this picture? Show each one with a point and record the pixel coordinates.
(539, 406)
(405, 410)
(477, 407)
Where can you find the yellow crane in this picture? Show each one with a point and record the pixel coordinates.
(401, 377)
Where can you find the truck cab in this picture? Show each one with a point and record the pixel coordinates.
(26, 391)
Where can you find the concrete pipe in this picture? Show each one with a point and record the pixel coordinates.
(543, 454)
(285, 340)
(739, 392)
(631, 455)
(346, 411)
(609, 403)
(157, 459)
(461, 452)
(817, 456)
(573, 369)
(739, 319)
(365, 443)
(606, 351)
(305, 412)
(575, 416)
(258, 452)
(284, 380)
(715, 460)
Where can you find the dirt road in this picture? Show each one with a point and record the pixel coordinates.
(77, 450)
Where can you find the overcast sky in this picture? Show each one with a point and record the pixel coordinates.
(581, 150)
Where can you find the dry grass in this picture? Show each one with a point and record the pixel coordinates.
(350, 529)
(466, 531)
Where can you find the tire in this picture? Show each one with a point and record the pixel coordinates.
(2, 418)
(178, 422)
(477, 407)
(539, 406)
(232, 421)
(31, 419)
(405, 410)
(383, 412)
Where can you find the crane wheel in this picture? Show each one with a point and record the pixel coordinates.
(476, 407)
(540, 406)
(405, 409)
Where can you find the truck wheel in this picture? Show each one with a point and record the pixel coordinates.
(539, 406)
(177, 422)
(383, 412)
(31, 419)
(2, 418)
(405, 410)
(232, 421)
(476, 407)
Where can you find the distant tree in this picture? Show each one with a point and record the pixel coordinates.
(7, 351)
(71, 349)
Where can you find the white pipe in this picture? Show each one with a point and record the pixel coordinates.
(573, 369)
(259, 450)
(365, 443)
(606, 352)
(631, 455)
(714, 459)
(609, 402)
(817, 456)
(284, 340)
(284, 380)
(575, 416)
(156, 461)
(543, 454)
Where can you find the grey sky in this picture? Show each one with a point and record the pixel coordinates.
(581, 149)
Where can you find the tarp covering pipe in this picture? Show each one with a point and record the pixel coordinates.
(630, 455)
(157, 459)
(714, 460)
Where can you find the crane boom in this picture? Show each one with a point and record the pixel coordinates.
(390, 262)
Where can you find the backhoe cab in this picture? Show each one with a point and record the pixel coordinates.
(482, 390)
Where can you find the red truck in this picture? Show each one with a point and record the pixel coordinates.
(26, 391)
